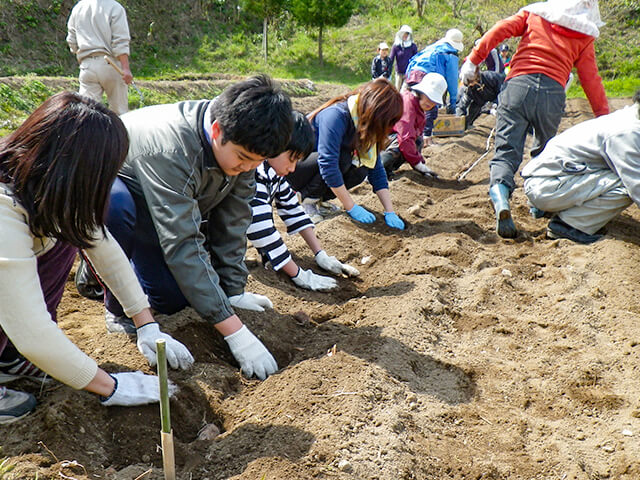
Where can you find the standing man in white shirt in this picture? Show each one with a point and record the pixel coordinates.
(97, 28)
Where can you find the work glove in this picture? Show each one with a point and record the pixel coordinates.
(177, 354)
(333, 265)
(250, 301)
(135, 388)
(393, 220)
(251, 354)
(311, 281)
(360, 214)
(468, 72)
(423, 169)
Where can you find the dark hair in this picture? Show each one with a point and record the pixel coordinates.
(255, 114)
(61, 163)
(301, 143)
(379, 109)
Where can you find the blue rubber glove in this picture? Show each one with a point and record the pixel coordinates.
(393, 220)
(360, 214)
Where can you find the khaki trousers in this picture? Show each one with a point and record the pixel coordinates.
(98, 77)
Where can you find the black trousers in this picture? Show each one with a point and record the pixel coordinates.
(306, 178)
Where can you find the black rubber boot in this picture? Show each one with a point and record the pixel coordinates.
(559, 229)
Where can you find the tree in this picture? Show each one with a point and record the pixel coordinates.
(420, 7)
(322, 13)
(267, 10)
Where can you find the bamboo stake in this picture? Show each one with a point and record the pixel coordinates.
(166, 434)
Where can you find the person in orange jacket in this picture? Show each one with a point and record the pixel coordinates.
(556, 36)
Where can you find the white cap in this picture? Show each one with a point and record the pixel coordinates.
(454, 38)
(383, 46)
(433, 85)
(406, 28)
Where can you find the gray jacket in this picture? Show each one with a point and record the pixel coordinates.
(200, 214)
(608, 142)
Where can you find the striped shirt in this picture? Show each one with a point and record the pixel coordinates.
(262, 232)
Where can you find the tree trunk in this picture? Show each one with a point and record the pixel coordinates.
(265, 39)
(320, 46)
(420, 7)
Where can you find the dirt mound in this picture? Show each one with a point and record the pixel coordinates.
(455, 355)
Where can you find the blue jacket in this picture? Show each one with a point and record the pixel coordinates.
(335, 137)
(442, 58)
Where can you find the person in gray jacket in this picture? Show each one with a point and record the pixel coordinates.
(180, 206)
(587, 175)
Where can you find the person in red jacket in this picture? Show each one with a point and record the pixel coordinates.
(406, 138)
(556, 36)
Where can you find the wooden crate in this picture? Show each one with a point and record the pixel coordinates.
(448, 126)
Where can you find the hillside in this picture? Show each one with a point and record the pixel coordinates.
(172, 39)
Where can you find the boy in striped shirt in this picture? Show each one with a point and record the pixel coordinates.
(271, 186)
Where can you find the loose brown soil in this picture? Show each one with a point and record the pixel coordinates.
(458, 355)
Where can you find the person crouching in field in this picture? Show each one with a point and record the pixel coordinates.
(180, 207)
(473, 96)
(350, 132)
(406, 138)
(587, 175)
(272, 187)
(56, 170)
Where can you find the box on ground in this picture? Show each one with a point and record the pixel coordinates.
(448, 126)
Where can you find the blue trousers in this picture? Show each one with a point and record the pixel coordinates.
(129, 221)
(527, 101)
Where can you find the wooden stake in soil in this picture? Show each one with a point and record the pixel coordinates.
(166, 434)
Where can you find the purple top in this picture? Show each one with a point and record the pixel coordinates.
(401, 56)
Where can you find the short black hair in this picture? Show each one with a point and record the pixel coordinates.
(61, 163)
(301, 143)
(255, 114)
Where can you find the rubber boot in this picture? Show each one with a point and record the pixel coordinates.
(499, 194)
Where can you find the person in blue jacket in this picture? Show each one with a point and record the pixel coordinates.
(350, 131)
(440, 57)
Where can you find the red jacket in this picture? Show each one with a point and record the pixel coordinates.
(548, 49)
(409, 127)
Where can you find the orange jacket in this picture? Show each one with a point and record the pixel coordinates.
(548, 49)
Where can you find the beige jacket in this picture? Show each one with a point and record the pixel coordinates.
(23, 312)
(98, 27)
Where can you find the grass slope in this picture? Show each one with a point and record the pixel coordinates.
(197, 38)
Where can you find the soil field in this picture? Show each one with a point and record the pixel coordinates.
(455, 355)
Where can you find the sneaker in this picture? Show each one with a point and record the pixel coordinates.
(118, 323)
(20, 368)
(310, 207)
(559, 229)
(327, 208)
(87, 283)
(15, 405)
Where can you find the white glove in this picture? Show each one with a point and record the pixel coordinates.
(177, 354)
(422, 168)
(251, 354)
(136, 388)
(311, 281)
(468, 72)
(251, 301)
(333, 265)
